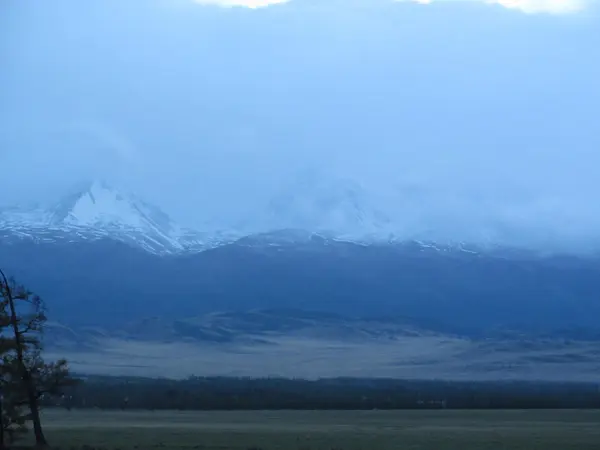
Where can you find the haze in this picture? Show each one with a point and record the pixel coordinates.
(464, 116)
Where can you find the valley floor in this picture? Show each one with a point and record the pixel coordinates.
(408, 357)
(321, 430)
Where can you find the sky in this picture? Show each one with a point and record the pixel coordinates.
(464, 115)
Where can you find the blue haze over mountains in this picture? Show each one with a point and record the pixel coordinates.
(423, 167)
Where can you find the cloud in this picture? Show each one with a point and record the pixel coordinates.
(555, 7)
(543, 6)
(252, 4)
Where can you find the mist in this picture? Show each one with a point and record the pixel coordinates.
(466, 120)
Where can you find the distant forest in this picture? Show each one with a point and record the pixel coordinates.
(328, 394)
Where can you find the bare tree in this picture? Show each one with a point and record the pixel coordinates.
(24, 374)
(20, 329)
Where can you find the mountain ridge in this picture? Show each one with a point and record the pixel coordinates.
(337, 211)
(137, 267)
(470, 292)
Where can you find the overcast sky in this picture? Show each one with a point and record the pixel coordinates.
(484, 111)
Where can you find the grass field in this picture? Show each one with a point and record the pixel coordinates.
(349, 430)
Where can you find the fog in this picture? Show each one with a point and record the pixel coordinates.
(465, 117)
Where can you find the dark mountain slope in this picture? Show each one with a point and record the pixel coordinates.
(105, 282)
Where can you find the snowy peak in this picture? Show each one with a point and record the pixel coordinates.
(100, 205)
(98, 211)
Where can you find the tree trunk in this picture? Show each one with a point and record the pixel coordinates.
(38, 432)
(2, 446)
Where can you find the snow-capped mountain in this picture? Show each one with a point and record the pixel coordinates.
(101, 211)
(336, 209)
(327, 208)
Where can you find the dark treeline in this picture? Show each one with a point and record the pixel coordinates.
(272, 393)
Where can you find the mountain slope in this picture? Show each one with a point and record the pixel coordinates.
(104, 282)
